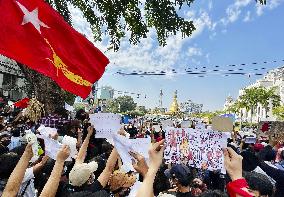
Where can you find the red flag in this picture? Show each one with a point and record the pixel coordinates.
(34, 34)
(22, 103)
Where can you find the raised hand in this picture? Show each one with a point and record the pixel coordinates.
(233, 163)
(156, 154)
(63, 154)
(90, 130)
(139, 163)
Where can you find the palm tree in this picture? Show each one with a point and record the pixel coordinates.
(252, 97)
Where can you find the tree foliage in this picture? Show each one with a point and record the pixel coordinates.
(121, 104)
(279, 112)
(208, 114)
(116, 17)
(113, 18)
(254, 96)
(259, 95)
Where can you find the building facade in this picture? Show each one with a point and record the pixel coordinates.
(12, 82)
(274, 78)
(191, 107)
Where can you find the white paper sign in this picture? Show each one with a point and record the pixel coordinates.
(167, 123)
(124, 145)
(123, 148)
(52, 147)
(185, 124)
(141, 146)
(69, 107)
(106, 124)
(250, 140)
(71, 142)
(47, 131)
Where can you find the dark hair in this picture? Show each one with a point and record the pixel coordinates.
(161, 182)
(8, 162)
(213, 193)
(282, 155)
(250, 161)
(259, 182)
(267, 154)
(16, 132)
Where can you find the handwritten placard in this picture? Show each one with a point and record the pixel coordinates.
(177, 145)
(195, 147)
(105, 124)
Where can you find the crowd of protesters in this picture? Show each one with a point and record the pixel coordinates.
(252, 169)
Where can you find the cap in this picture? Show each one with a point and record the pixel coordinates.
(181, 173)
(80, 173)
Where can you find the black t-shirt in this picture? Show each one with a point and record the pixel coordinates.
(94, 187)
(179, 194)
(187, 194)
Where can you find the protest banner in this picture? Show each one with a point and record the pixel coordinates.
(195, 147)
(224, 124)
(105, 124)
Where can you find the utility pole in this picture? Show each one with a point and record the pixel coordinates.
(161, 99)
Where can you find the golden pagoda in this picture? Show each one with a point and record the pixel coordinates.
(174, 109)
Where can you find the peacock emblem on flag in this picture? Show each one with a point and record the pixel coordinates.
(60, 65)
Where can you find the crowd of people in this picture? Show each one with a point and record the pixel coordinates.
(254, 169)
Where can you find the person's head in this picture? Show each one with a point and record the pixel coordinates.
(120, 182)
(180, 175)
(10, 161)
(5, 139)
(16, 132)
(1, 119)
(250, 161)
(259, 184)
(267, 154)
(107, 148)
(81, 115)
(213, 193)
(82, 174)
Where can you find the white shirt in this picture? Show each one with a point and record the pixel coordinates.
(28, 179)
(15, 142)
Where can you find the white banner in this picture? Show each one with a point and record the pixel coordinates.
(106, 124)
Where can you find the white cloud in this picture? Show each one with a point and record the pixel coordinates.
(201, 21)
(210, 5)
(234, 11)
(247, 17)
(193, 51)
(270, 5)
(148, 55)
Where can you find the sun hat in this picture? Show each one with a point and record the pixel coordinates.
(80, 173)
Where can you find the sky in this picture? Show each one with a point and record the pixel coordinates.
(228, 33)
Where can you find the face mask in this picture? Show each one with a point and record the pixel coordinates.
(9, 129)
